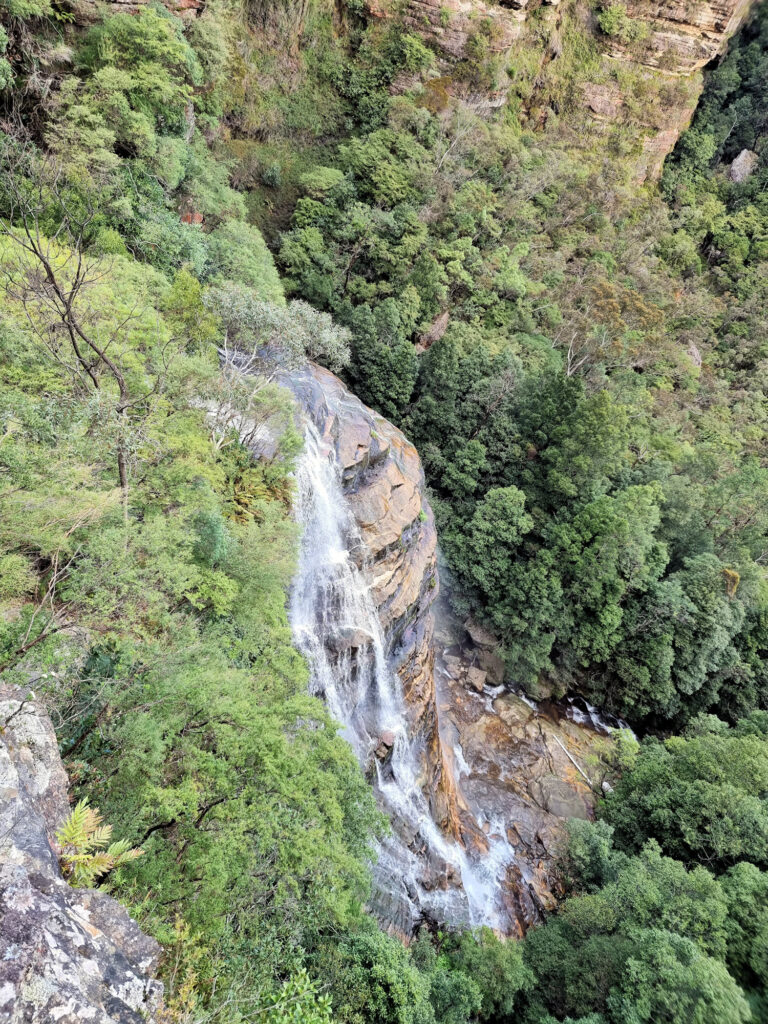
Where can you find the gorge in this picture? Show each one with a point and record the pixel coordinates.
(383, 512)
(472, 844)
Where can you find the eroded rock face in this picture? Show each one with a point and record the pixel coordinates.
(682, 36)
(676, 40)
(450, 25)
(495, 769)
(522, 771)
(66, 955)
(384, 484)
(87, 12)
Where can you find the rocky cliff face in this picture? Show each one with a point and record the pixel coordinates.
(672, 41)
(521, 769)
(384, 484)
(66, 955)
(86, 12)
(501, 776)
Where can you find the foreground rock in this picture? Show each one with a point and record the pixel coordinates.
(66, 955)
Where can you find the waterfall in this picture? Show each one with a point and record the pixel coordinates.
(336, 626)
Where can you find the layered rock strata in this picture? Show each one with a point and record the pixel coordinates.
(673, 40)
(494, 767)
(66, 955)
(522, 769)
(384, 485)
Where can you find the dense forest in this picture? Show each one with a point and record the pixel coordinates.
(579, 358)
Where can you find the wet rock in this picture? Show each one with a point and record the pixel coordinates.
(523, 778)
(541, 688)
(484, 651)
(384, 483)
(480, 636)
(476, 678)
(386, 742)
(347, 639)
(453, 665)
(66, 955)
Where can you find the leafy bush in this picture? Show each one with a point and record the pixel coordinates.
(238, 252)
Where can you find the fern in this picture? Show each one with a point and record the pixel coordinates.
(86, 853)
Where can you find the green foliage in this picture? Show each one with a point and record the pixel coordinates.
(698, 796)
(668, 978)
(582, 369)
(188, 721)
(238, 253)
(497, 970)
(278, 334)
(643, 938)
(615, 22)
(86, 852)
(376, 981)
(726, 219)
(300, 1001)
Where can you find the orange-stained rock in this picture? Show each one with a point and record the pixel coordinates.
(516, 773)
(384, 483)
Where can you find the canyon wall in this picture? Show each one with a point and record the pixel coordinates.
(68, 955)
(649, 78)
(384, 484)
(500, 776)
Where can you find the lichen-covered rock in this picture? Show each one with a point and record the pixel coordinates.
(66, 955)
(87, 12)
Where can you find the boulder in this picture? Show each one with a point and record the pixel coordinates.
(558, 797)
(743, 166)
(476, 678)
(385, 744)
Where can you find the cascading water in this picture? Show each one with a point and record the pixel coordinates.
(336, 626)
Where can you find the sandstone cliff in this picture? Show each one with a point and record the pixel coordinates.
(384, 484)
(649, 78)
(498, 773)
(67, 955)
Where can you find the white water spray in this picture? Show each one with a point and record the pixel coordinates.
(337, 628)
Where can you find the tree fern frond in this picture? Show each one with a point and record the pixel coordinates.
(82, 838)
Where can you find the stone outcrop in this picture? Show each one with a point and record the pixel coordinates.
(66, 955)
(682, 36)
(521, 770)
(87, 12)
(450, 25)
(676, 39)
(743, 166)
(384, 484)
